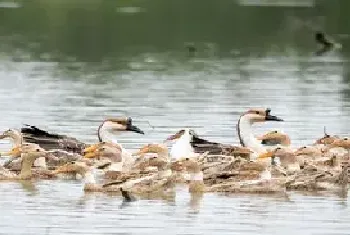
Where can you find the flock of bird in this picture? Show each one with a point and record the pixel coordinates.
(262, 164)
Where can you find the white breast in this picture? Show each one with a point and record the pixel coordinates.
(182, 148)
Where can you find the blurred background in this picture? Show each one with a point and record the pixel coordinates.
(65, 65)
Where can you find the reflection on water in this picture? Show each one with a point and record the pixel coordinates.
(66, 65)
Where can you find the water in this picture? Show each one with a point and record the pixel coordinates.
(66, 65)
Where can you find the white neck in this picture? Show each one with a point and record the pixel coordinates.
(247, 137)
(182, 147)
(106, 135)
(90, 177)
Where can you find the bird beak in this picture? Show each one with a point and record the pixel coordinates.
(134, 129)
(273, 118)
(270, 117)
(90, 155)
(265, 155)
(15, 152)
(89, 152)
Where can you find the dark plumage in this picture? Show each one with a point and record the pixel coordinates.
(48, 141)
(201, 146)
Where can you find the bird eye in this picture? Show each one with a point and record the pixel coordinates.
(275, 132)
(257, 112)
(187, 159)
(37, 150)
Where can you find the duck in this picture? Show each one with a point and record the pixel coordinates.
(161, 152)
(333, 145)
(29, 153)
(287, 158)
(182, 147)
(94, 151)
(105, 131)
(110, 156)
(244, 130)
(52, 158)
(15, 152)
(189, 144)
(341, 143)
(120, 160)
(244, 127)
(314, 178)
(326, 139)
(155, 149)
(14, 135)
(274, 138)
(197, 185)
(155, 182)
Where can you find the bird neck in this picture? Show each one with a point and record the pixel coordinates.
(104, 134)
(246, 136)
(27, 163)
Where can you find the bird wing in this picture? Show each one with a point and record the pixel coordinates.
(201, 145)
(49, 141)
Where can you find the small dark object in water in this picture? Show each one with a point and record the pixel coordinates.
(326, 44)
(127, 196)
(191, 50)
